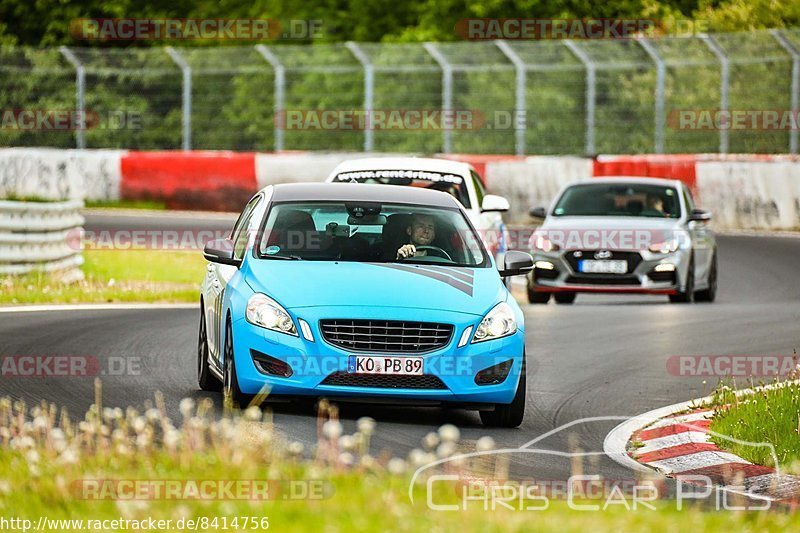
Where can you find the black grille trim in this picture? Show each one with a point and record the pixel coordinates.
(603, 279)
(541, 273)
(386, 336)
(384, 381)
(662, 276)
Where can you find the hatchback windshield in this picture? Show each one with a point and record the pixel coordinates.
(619, 199)
(359, 231)
(452, 184)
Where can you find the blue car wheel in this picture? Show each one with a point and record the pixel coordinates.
(230, 388)
(205, 379)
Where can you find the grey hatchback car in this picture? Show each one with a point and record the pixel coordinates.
(623, 235)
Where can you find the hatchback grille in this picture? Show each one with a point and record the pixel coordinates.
(384, 381)
(633, 258)
(391, 336)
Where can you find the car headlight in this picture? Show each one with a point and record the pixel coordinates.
(665, 247)
(265, 312)
(540, 242)
(499, 322)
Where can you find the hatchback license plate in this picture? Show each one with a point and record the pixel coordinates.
(603, 267)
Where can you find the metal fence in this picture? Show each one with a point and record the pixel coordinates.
(524, 97)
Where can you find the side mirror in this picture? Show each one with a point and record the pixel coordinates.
(492, 202)
(699, 215)
(221, 251)
(516, 263)
(538, 212)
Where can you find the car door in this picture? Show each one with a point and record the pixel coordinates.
(702, 241)
(219, 275)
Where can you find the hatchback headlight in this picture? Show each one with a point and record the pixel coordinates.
(498, 323)
(665, 247)
(265, 312)
(542, 243)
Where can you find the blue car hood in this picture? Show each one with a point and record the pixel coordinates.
(296, 284)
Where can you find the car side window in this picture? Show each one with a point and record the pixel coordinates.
(480, 192)
(240, 233)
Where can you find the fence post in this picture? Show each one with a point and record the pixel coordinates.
(661, 71)
(724, 89)
(789, 47)
(279, 98)
(80, 90)
(187, 95)
(521, 111)
(447, 94)
(591, 93)
(369, 90)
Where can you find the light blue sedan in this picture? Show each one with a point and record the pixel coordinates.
(360, 292)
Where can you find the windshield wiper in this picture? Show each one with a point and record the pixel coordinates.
(286, 257)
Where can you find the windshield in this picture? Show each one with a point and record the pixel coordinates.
(619, 199)
(372, 232)
(452, 184)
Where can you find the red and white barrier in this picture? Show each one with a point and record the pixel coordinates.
(677, 167)
(297, 167)
(221, 181)
(742, 191)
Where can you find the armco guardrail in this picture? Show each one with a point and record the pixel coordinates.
(40, 236)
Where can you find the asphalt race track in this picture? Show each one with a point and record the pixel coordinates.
(602, 356)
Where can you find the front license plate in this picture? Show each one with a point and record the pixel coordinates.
(368, 364)
(602, 267)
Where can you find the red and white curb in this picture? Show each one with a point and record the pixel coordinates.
(676, 442)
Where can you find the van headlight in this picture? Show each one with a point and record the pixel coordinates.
(498, 323)
(265, 312)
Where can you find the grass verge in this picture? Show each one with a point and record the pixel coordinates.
(768, 415)
(115, 276)
(126, 204)
(51, 467)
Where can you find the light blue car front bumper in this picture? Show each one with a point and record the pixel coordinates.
(312, 362)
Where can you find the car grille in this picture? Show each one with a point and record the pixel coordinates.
(384, 381)
(633, 259)
(390, 336)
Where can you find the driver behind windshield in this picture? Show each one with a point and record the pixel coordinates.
(421, 232)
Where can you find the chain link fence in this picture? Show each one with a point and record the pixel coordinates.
(736, 93)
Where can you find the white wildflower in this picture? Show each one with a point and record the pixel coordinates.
(449, 433)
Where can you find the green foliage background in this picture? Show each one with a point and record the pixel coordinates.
(233, 86)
